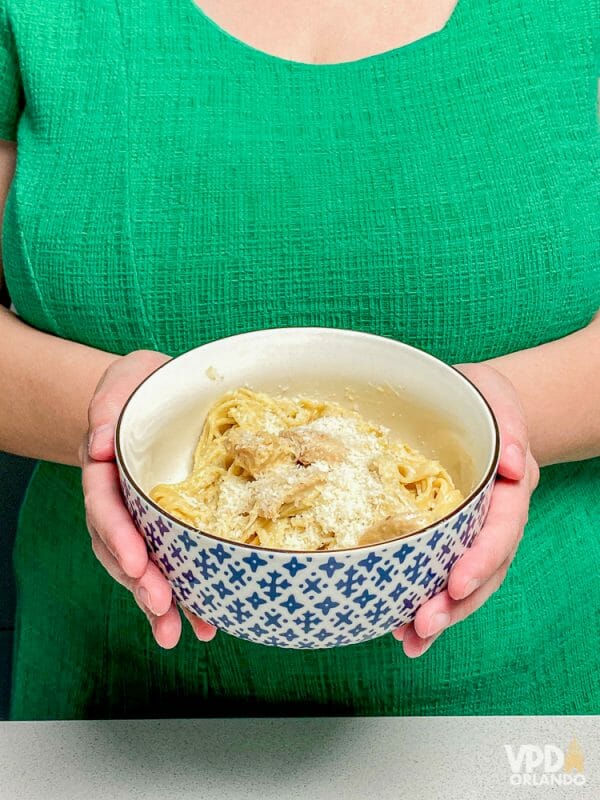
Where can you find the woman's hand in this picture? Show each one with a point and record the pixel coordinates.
(116, 542)
(482, 568)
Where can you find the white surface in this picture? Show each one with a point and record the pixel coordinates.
(445, 758)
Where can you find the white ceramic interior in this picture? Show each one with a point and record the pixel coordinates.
(428, 404)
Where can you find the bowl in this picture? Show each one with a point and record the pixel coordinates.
(301, 599)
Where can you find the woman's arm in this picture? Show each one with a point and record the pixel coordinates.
(558, 384)
(47, 384)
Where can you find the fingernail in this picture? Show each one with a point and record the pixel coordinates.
(424, 646)
(427, 645)
(206, 634)
(437, 623)
(516, 457)
(398, 634)
(98, 438)
(143, 595)
(471, 586)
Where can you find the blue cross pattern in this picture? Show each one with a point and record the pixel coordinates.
(428, 577)
(291, 604)
(237, 609)
(176, 553)
(162, 525)
(326, 605)
(308, 620)
(208, 600)
(273, 619)
(187, 541)
(190, 578)
(311, 585)
(451, 562)
(352, 579)
(236, 576)
(399, 590)
(385, 575)
(273, 586)
(444, 550)
(255, 600)
(460, 521)
(435, 537)
(377, 611)
(152, 537)
(254, 561)
(413, 573)
(257, 630)
(404, 551)
(369, 562)
(205, 564)
(164, 560)
(343, 618)
(331, 566)
(184, 591)
(364, 598)
(409, 602)
(293, 566)
(221, 589)
(301, 602)
(467, 531)
(220, 553)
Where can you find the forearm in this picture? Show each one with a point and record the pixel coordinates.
(559, 386)
(47, 384)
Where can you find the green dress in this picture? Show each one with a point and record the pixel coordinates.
(175, 185)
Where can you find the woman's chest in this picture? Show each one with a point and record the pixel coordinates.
(186, 191)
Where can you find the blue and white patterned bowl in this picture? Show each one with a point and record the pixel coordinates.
(301, 599)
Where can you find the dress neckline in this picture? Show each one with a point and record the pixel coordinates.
(199, 17)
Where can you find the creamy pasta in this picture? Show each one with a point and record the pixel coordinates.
(304, 474)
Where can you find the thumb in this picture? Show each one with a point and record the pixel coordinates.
(504, 400)
(121, 378)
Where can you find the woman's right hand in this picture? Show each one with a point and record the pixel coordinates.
(116, 542)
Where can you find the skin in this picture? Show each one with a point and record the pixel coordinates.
(69, 395)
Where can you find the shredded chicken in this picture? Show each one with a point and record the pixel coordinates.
(310, 446)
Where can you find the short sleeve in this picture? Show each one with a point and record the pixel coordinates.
(11, 89)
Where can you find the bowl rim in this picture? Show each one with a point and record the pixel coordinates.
(479, 488)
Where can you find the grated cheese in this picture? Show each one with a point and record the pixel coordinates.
(343, 498)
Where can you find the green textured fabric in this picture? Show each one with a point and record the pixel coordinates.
(175, 185)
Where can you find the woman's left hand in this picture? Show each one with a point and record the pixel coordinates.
(483, 567)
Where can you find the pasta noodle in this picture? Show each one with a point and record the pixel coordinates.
(304, 474)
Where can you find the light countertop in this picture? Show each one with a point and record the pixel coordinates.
(384, 758)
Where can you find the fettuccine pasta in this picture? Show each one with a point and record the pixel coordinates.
(303, 474)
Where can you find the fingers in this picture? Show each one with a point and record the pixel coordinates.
(162, 613)
(153, 596)
(116, 542)
(109, 517)
(166, 629)
(499, 536)
(151, 589)
(418, 636)
(115, 387)
(203, 630)
(442, 611)
(481, 570)
(414, 646)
